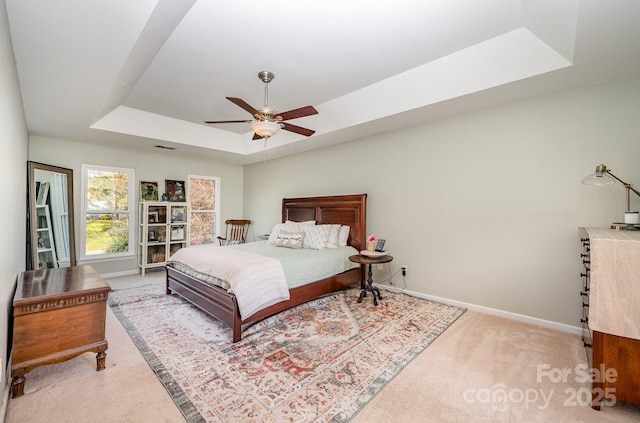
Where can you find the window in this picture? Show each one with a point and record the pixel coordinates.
(204, 200)
(108, 206)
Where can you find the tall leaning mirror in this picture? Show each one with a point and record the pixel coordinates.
(50, 204)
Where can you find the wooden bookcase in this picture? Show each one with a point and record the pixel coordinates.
(163, 229)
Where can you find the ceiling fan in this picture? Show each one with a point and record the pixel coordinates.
(266, 120)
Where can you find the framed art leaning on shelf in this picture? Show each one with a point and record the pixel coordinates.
(178, 214)
(177, 233)
(148, 191)
(175, 190)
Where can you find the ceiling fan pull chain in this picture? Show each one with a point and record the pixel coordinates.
(264, 153)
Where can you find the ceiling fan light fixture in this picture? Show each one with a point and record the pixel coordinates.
(265, 129)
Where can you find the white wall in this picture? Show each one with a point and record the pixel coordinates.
(482, 207)
(150, 165)
(13, 173)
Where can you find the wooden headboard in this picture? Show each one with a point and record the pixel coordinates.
(336, 209)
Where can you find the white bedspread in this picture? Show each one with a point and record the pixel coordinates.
(256, 281)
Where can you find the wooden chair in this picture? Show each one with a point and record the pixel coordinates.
(236, 232)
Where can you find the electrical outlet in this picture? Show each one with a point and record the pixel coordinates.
(404, 269)
(380, 267)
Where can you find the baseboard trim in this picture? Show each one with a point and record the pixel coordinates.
(5, 401)
(575, 330)
(6, 375)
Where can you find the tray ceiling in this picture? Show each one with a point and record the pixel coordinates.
(145, 73)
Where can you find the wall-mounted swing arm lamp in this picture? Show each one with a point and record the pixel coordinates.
(603, 177)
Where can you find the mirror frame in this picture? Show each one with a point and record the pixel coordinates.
(32, 255)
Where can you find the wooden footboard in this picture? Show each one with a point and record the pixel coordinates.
(224, 306)
(209, 298)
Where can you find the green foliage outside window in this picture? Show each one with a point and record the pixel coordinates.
(107, 218)
(107, 190)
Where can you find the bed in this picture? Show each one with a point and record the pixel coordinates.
(341, 209)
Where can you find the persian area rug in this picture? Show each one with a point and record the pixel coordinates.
(319, 362)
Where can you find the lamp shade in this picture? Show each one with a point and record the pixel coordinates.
(600, 178)
(265, 129)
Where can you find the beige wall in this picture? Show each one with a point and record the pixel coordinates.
(13, 174)
(482, 207)
(154, 165)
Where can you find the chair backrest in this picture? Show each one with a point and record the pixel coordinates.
(236, 232)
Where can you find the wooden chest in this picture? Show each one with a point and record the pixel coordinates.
(58, 314)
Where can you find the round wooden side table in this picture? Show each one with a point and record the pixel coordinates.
(364, 260)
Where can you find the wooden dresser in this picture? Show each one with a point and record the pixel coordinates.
(58, 314)
(611, 313)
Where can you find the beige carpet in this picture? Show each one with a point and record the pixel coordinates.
(458, 378)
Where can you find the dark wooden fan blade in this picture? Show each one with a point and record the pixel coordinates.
(243, 104)
(298, 113)
(227, 121)
(298, 129)
(256, 136)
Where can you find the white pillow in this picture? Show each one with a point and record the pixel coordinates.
(343, 235)
(332, 238)
(306, 222)
(290, 239)
(315, 236)
(289, 227)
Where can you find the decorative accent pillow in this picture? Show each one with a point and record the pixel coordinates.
(343, 235)
(290, 227)
(290, 239)
(315, 237)
(332, 238)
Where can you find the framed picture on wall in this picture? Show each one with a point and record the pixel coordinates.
(175, 190)
(148, 191)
